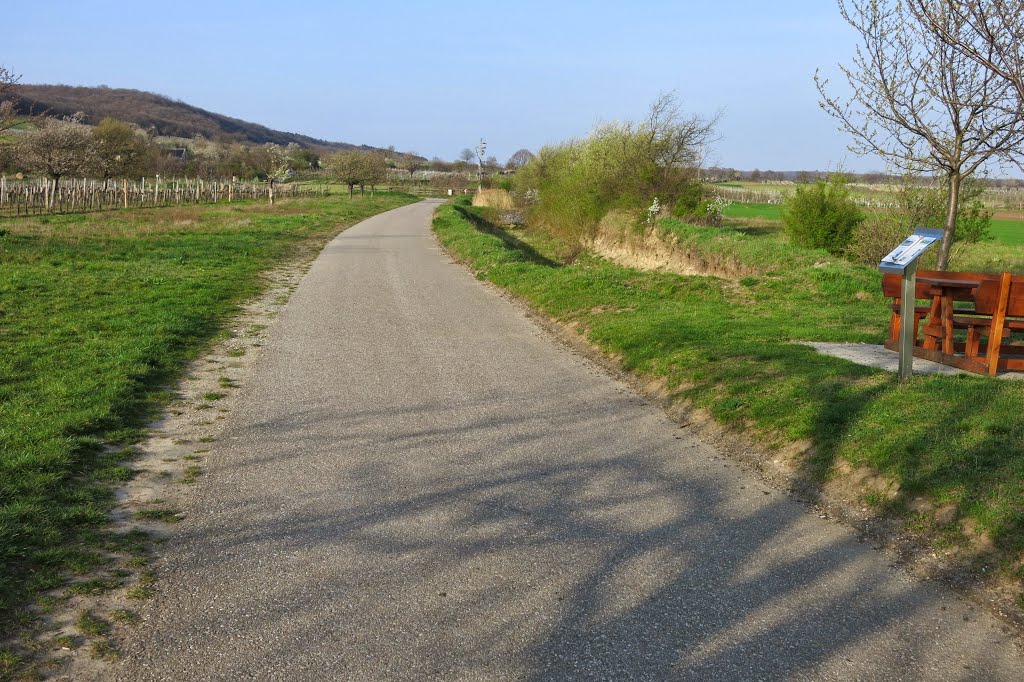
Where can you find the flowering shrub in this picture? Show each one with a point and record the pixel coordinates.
(653, 211)
(715, 209)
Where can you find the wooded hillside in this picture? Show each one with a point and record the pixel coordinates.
(162, 115)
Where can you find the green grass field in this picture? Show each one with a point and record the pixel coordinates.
(765, 211)
(730, 346)
(1007, 232)
(98, 315)
(1010, 232)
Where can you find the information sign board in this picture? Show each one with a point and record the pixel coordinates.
(909, 251)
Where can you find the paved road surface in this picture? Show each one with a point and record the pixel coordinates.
(419, 484)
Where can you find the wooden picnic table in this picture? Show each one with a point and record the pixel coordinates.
(991, 311)
(938, 331)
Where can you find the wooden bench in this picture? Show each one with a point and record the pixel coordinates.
(1004, 306)
(989, 308)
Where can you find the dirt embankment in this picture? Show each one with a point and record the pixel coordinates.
(654, 248)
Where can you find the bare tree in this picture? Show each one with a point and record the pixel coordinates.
(676, 139)
(57, 147)
(346, 167)
(8, 98)
(375, 170)
(121, 149)
(992, 33)
(412, 163)
(276, 167)
(665, 149)
(519, 159)
(467, 155)
(921, 104)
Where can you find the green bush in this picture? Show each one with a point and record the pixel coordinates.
(690, 200)
(568, 188)
(822, 215)
(973, 221)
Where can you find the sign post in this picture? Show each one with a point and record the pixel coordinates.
(903, 261)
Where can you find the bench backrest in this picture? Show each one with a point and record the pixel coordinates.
(1015, 302)
(986, 296)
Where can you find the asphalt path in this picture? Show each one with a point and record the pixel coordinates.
(420, 484)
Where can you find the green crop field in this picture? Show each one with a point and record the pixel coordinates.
(766, 211)
(98, 315)
(1008, 231)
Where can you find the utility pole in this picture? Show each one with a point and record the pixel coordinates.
(481, 148)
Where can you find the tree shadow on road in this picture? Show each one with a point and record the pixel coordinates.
(553, 550)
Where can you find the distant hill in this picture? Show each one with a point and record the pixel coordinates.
(162, 115)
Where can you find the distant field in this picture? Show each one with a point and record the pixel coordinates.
(1008, 231)
(998, 200)
(769, 211)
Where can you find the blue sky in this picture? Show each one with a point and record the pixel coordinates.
(436, 77)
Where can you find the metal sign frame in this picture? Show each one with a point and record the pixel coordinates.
(903, 261)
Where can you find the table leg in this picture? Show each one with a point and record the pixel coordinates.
(947, 323)
(933, 328)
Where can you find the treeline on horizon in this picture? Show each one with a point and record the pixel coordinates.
(195, 142)
(721, 174)
(62, 147)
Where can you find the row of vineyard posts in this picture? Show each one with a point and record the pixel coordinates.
(44, 196)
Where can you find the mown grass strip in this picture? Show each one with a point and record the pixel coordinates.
(730, 347)
(98, 315)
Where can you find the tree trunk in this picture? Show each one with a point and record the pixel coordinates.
(950, 228)
(271, 192)
(351, 189)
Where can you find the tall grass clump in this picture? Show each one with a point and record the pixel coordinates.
(568, 187)
(494, 198)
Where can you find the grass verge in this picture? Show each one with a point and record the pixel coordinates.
(98, 315)
(949, 449)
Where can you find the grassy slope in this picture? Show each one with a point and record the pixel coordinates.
(729, 348)
(98, 314)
